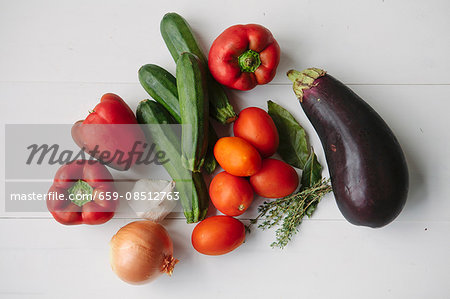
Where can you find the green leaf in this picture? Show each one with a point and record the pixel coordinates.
(312, 207)
(293, 147)
(312, 172)
(288, 212)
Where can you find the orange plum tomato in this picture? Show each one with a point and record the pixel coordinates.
(275, 179)
(257, 127)
(236, 156)
(230, 194)
(218, 235)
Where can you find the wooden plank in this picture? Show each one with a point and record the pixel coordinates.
(327, 259)
(407, 109)
(107, 41)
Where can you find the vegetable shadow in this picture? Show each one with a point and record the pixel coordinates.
(417, 184)
(180, 250)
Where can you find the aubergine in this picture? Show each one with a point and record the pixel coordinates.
(368, 169)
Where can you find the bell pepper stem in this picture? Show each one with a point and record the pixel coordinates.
(249, 61)
(80, 193)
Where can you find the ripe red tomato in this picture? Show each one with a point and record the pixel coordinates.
(230, 194)
(257, 127)
(237, 156)
(218, 235)
(275, 179)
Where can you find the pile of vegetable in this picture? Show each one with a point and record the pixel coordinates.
(268, 149)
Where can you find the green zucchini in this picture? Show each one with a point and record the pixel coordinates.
(202, 195)
(210, 163)
(161, 85)
(193, 98)
(193, 192)
(179, 38)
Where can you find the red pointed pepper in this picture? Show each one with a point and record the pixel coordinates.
(110, 133)
(244, 56)
(83, 191)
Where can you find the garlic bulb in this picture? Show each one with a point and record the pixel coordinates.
(153, 199)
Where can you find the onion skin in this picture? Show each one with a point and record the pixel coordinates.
(141, 251)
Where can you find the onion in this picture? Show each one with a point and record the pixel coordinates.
(141, 251)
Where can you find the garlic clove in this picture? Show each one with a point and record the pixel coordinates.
(158, 201)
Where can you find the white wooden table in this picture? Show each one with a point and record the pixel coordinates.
(58, 57)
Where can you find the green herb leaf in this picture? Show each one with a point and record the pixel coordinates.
(293, 147)
(287, 213)
(312, 172)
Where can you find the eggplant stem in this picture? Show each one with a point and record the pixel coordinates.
(304, 80)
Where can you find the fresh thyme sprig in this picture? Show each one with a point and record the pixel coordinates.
(289, 211)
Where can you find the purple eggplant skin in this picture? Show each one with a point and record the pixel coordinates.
(368, 169)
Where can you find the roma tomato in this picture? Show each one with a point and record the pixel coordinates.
(275, 179)
(218, 235)
(230, 194)
(237, 156)
(257, 127)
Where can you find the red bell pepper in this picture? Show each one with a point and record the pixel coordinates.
(110, 133)
(83, 191)
(244, 56)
